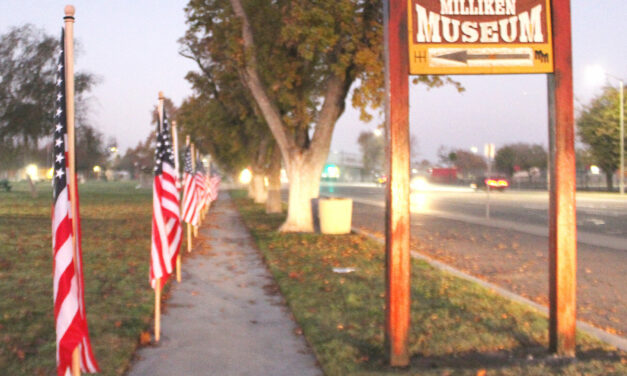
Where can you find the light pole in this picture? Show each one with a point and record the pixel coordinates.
(621, 181)
(621, 122)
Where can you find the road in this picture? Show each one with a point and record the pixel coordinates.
(599, 214)
(511, 249)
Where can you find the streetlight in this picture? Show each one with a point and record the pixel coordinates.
(597, 72)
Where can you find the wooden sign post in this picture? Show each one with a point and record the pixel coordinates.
(562, 210)
(397, 261)
(457, 37)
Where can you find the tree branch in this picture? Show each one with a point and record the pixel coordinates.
(332, 108)
(252, 80)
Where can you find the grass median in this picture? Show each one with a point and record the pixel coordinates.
(458, 327)
(115, 219)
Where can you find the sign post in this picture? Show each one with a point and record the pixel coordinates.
(562, 214)
(481, 37)
(397, 260)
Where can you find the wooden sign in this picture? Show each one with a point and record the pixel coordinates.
(480, 36)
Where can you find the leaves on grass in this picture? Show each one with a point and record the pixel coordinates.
(458, 323)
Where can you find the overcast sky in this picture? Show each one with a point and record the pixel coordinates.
(132, 47)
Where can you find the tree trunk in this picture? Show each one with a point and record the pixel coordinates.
(609, 181)
(259, 192)
(304, 176)
(273, 203)
(251, 192)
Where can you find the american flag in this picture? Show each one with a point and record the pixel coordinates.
(202, 187)
(69, 302)
(190, 193)
(166, 215)
(214, 183)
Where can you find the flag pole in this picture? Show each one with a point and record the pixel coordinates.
(69, 104)
(195, 228)
(189, 226)
(175, 145)
(158, 280)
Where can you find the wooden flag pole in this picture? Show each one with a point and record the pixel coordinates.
(158, 310)
(69, 104)
(189, 226)
(195, 228)
(175, 145)
(158, 281)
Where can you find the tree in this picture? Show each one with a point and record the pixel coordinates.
(466, 162)
(598, 127)
(520, 157)
(228, 124)
(90, 149)
(141, 158)
(372, 151)
(469, 163)
(298, 60)
(27, 90)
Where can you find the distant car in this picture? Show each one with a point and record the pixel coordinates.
(381, 180)
(496, 183)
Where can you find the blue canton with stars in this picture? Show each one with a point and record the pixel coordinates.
(60, 127)
(188, 160)
(163, 152)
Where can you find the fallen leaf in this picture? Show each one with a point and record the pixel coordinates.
(144, 338)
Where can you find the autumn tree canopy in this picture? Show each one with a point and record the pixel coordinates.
(298, 61)
(520, 157)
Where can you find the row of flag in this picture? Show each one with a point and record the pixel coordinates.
(74, 351)
(199, 190)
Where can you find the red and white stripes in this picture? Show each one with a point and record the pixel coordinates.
(69, 310)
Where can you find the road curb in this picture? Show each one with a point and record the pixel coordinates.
(609, 338)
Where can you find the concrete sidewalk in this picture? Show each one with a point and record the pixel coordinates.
(226, 316)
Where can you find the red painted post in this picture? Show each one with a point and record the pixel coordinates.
(397, 191)
(562, 214)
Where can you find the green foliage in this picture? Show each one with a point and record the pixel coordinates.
(116, 252)
(372, 149)
(27, 91)
(5, 185)
(141, 158)
(598, 127)
(469, 164)
(520, 156)
(221, 117)
(298, 47)
(457, 327)
(90, 148)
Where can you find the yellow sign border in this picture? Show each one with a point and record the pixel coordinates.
(420, 51)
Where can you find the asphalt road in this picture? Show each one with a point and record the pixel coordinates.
(511, 249)
(604, 216)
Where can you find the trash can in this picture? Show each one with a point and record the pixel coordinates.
(335, 215)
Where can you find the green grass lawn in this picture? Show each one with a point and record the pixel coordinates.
(116, 244)
(458, 327)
